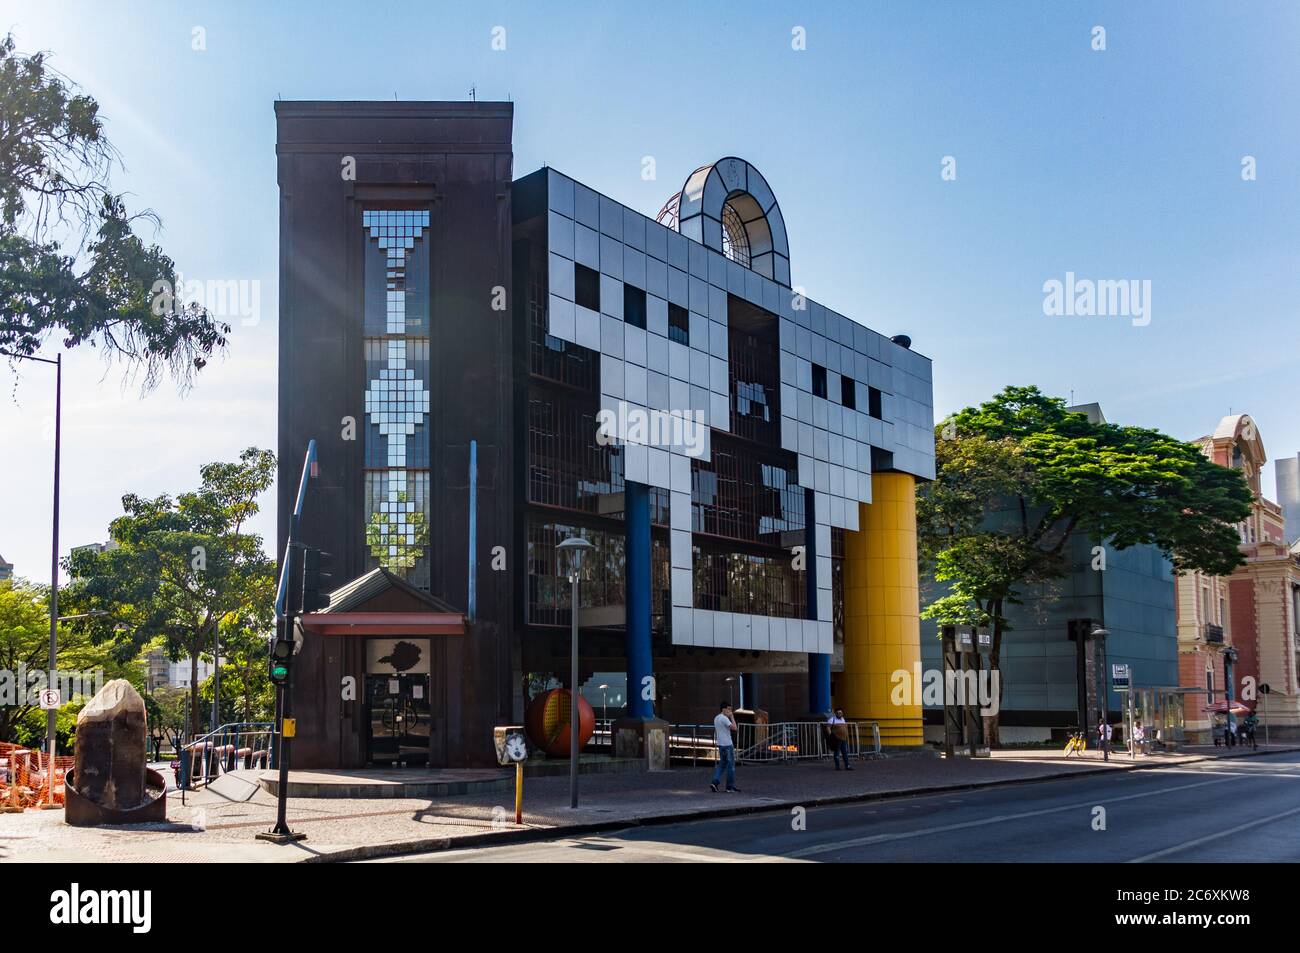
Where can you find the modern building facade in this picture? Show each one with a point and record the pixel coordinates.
(162, 672)
(490, 366)
(6, 569)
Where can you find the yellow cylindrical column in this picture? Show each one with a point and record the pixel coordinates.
(882, 624)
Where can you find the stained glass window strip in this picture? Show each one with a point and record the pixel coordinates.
(397, 391)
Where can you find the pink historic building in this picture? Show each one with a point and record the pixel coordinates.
(1238, 632)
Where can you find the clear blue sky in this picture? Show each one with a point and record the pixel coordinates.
(1117, 164)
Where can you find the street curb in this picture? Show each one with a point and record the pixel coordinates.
(511, 837)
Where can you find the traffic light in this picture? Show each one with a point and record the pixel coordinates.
(293, 580)
(315, 579)
(281, 654)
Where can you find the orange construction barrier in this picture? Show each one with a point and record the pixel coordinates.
(26, 777)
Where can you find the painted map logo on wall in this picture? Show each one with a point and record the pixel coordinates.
(403, 657)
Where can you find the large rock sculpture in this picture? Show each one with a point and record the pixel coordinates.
(111, 748)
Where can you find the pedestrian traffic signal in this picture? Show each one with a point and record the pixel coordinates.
(281, 654)
(315, 579)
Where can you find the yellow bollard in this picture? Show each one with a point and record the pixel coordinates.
(519, 792)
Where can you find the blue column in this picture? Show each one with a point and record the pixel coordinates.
(819, 666)
(640, 662)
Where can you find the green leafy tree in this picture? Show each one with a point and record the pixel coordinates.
(185, 570)
(70, 260)
(25, 648)
(166, 707)
(1019, 474)
(246, 690)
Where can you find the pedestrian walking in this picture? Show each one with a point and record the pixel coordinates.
(839, 738)
(723, 727)
(1104, 733)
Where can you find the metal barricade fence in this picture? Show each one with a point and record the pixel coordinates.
(691, 741)
(230, 748)
(776, 741)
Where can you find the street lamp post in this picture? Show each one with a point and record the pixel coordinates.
(576, 547)
(52, 715)
(1100, 634)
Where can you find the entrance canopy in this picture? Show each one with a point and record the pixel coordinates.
(380, 603)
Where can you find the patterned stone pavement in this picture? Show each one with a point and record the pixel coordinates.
(209, 827)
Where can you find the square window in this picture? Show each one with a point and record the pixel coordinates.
(873, 403)
(633, 306)
(848, 393)
(679, 324)
(586, 287)
(818, 380)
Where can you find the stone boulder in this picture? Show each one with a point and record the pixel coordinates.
(111, 748)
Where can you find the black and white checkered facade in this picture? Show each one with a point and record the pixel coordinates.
(645, 370)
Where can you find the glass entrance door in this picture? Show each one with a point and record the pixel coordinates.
(398, 720)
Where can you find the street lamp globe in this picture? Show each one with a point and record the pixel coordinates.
(575, 547)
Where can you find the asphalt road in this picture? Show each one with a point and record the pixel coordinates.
(1239, 810)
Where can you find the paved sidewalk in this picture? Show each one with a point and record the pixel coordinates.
(211, 828)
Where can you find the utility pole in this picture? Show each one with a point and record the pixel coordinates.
(51, 718)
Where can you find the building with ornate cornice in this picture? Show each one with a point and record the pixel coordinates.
(1239, 632)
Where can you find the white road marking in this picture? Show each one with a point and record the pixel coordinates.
(925, 832)
(1213, 837)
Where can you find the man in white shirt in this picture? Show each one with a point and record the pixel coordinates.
(839, 738)
(723, 727)
(1104, 733)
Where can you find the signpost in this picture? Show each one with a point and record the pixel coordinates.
(512, 748)
(50, 702)
(1264, 690)
(1119, 676)
(970, 644)
(1120, 681)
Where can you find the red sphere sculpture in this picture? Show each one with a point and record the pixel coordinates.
(548, 724)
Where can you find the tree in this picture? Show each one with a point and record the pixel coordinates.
(166, 707)
(246, 690)
(184, 569)
(69, 258)
(24, 658)
(1018, 475)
